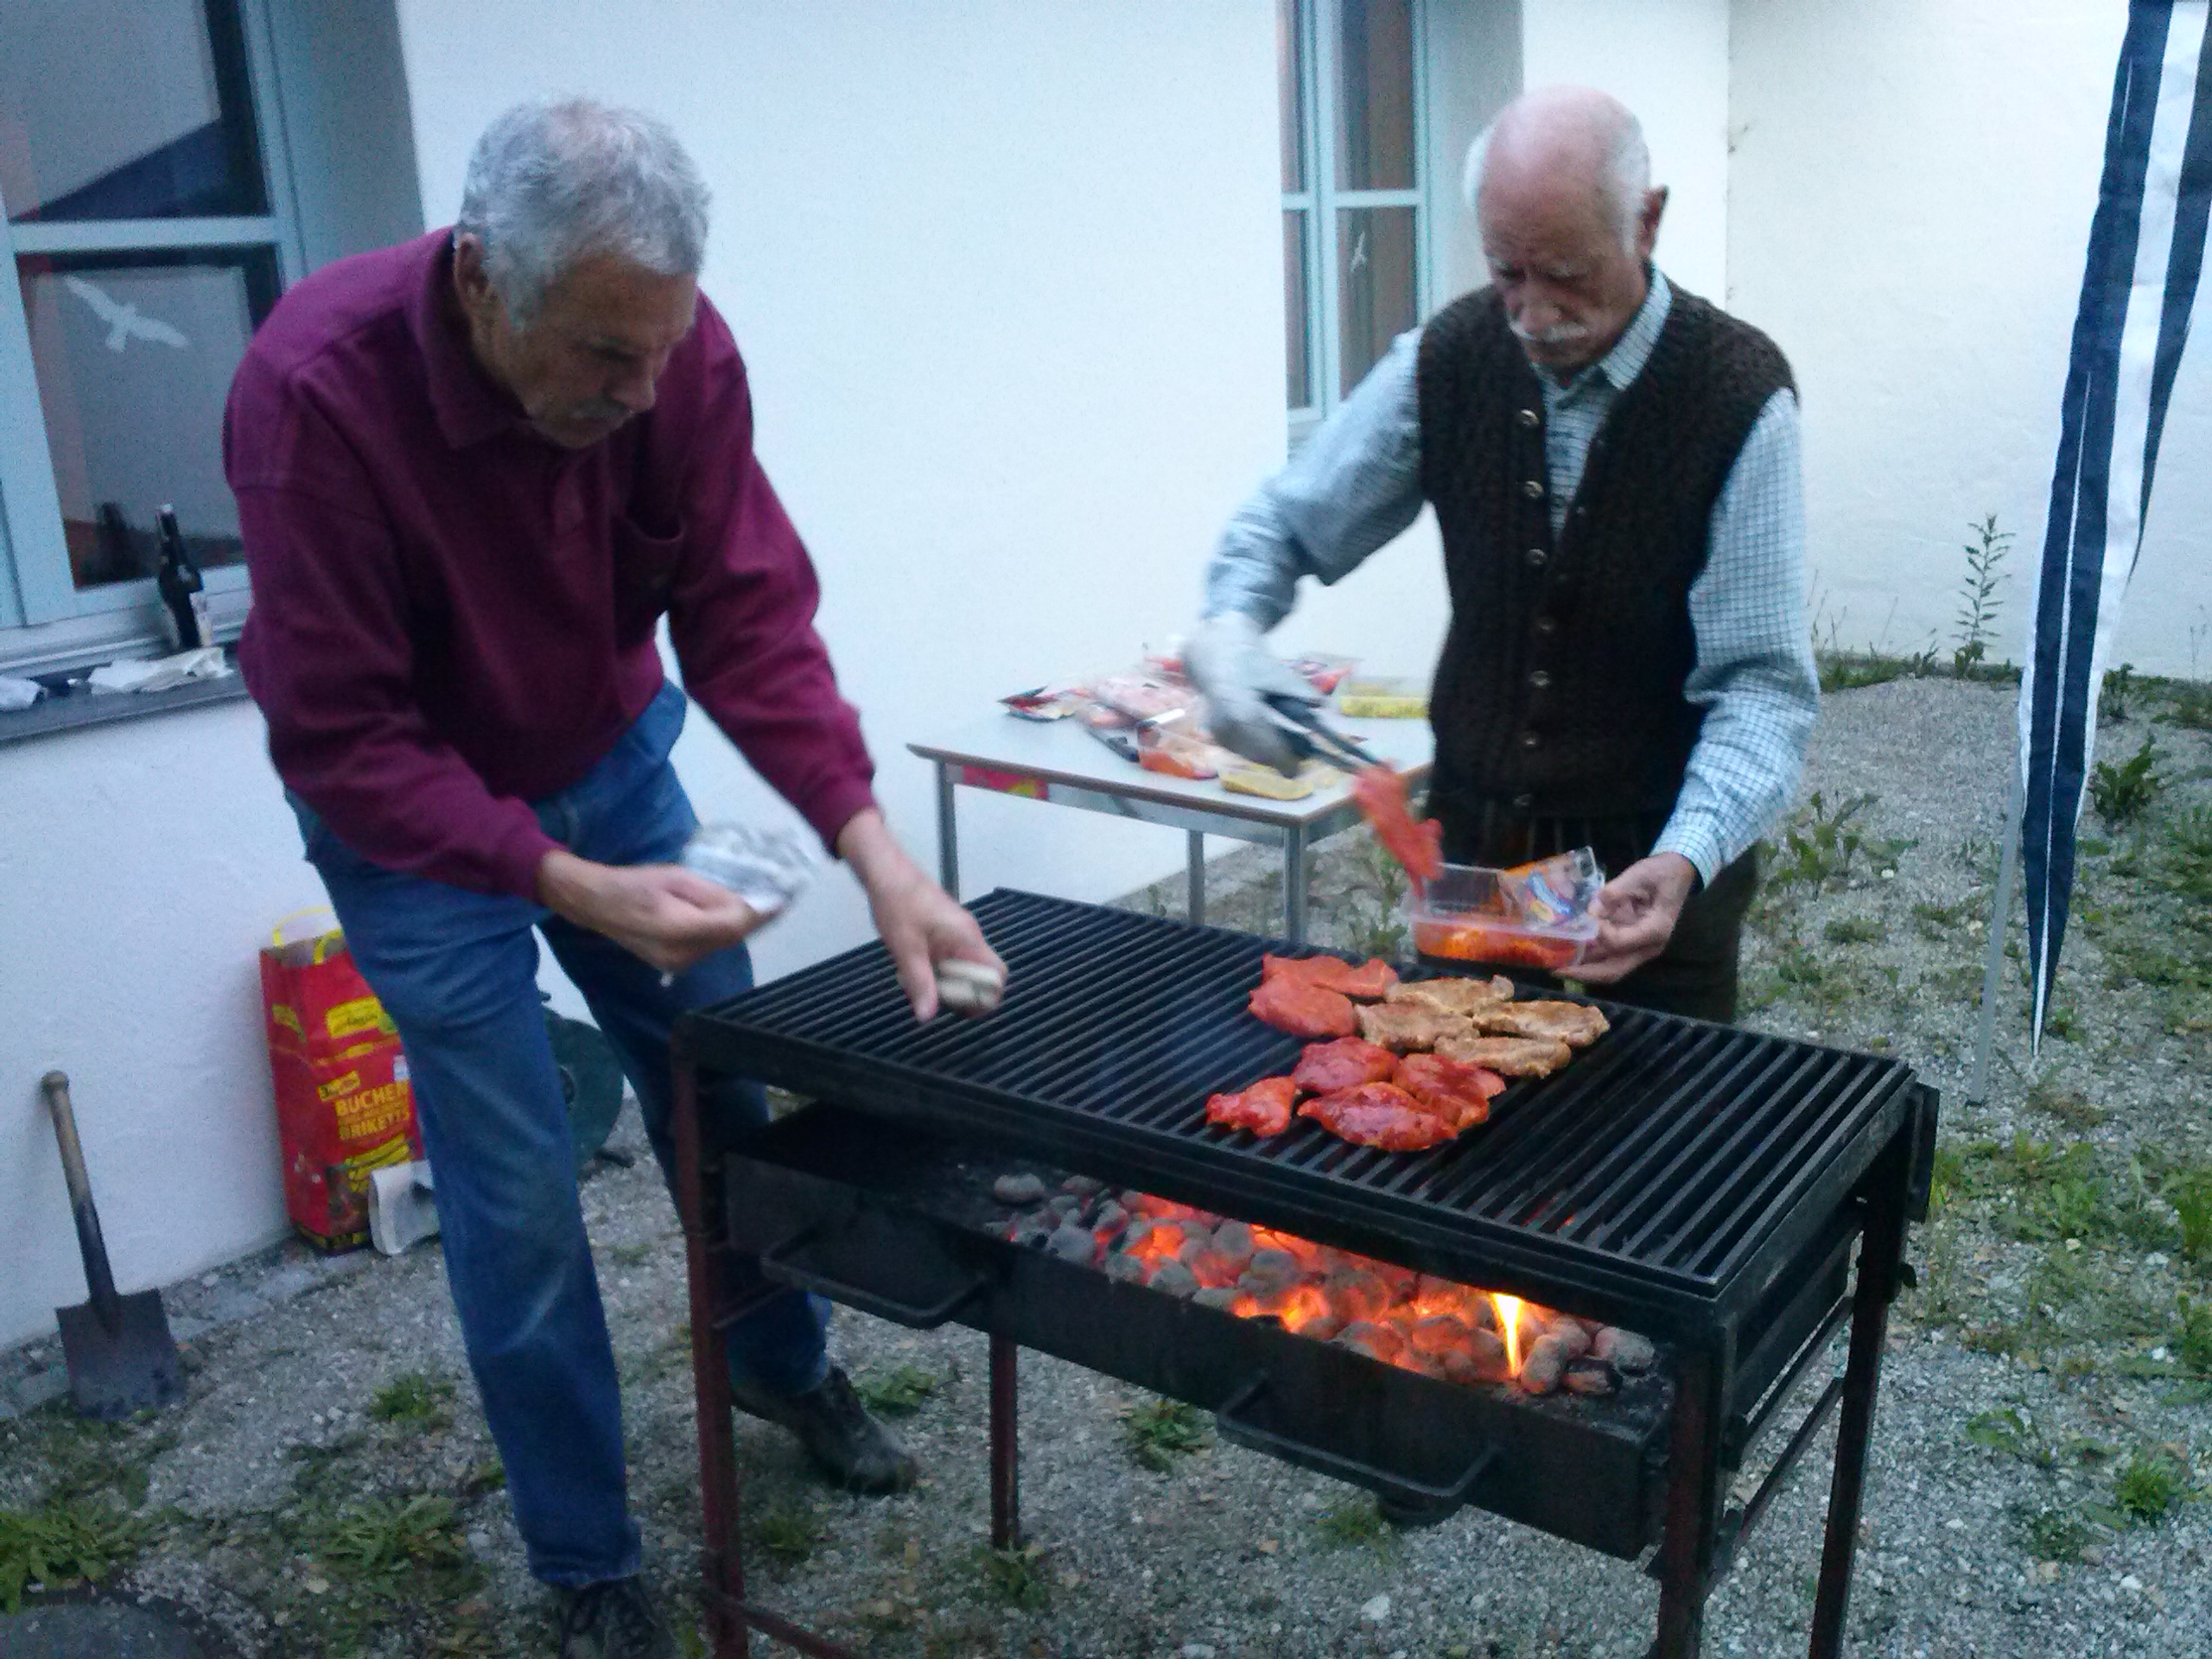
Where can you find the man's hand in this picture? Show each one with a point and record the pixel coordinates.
(1636, 912)
(660, 912)
(920, 924)
(1237, 674)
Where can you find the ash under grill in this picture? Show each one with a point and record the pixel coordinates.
(1703, 1185)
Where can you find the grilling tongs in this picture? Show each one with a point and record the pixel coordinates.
(1315, 736)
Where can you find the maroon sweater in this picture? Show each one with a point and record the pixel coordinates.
(453, 617)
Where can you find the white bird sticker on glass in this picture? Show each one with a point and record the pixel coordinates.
(122, 321)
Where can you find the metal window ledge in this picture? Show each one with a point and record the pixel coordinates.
(78, 707)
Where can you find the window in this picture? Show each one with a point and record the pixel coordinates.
(1354, 171)
(140, 207)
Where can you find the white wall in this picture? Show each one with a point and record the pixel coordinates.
(141, 865)
(1007, 278)
(1912, 191)
(1668, 61)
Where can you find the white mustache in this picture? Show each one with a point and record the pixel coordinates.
(1560, 333)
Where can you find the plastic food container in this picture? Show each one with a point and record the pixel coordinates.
(1536, 916)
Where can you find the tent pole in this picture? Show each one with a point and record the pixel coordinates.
(1994, 962)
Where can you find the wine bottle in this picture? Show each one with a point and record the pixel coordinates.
(177, 578)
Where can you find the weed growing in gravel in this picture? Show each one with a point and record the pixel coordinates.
(1016, 1577)
(2194, 1344)
(1160, 1431)
(1978, 603)
(414, 1400)
(898, 1392)
(2010, 1429)
(65, 1541)
(1938, 922)
(1376, 884)
(2047, 1096)
(790, 1532)
(1357, 1522)
(1818, 844)
(1854, 930)
(380, 1538)
(2189, 1191)
(2049, 1535)
(2123, 793)
(2145, 1488)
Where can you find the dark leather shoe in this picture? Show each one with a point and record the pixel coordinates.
(850, 1446)
(615, 1619)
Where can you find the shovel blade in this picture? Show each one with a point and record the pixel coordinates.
(131, 1368)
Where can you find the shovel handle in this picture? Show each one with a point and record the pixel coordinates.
(99, 1279)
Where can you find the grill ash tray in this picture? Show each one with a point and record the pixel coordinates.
(896, 1222)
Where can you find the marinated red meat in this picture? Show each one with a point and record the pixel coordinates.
(1380, 794)
(1453, 1089)
(1262, 1108)
(1378, 1114)
(1345, 1063)
(1369, 980)
(1303, 1010)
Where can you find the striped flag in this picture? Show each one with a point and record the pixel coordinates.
(2146, 248)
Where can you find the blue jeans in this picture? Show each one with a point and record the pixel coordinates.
(458, 972)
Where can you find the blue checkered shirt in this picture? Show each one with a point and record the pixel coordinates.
(1356, 484)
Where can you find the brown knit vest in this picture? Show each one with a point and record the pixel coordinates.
(1560, 690)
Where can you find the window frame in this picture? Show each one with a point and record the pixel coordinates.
(1319, 24)
(46, 622)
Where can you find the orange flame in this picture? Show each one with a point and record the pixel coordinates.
(1509, 1322)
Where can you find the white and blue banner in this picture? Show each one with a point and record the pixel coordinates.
(2146, 250)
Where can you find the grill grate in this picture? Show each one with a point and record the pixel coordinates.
(1674, 1164)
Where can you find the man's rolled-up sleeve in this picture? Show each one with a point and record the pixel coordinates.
(328, 657)
(742, 616)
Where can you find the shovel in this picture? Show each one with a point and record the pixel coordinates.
(120, 1355)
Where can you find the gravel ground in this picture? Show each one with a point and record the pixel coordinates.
(256, 1494)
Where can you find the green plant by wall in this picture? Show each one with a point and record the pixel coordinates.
(1978, 600)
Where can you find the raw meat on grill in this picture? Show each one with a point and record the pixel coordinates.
(1345, 1064)
(1378, 1114)
(1451, 1088)
(1575, 1024)
(1452, 994)
(1303, 1010)
(1509, 1057)
(1371, 980)
(1262, 1106)
(1402, 1026)
(1380, 794)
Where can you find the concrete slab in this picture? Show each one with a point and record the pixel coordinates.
(95, 1630)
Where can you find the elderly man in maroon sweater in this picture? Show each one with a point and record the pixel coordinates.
(474, 471)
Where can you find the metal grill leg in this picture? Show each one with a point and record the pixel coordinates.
(1693, 1496)
(1293, 884)
(721, 1562)
(1196, 878)
(1006, 1446)
(1881, 1248)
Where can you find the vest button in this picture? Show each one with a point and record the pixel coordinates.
(1528, 417)
(1534, 489)
(1548, 626)
(1530, 739)
(1523, 802)
(1536, 556)
(1540, 680)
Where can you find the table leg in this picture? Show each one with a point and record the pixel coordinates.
(1198, 902)
(948, 832)
(1293, 884)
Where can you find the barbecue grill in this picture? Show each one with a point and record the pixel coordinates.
(1696, 1183)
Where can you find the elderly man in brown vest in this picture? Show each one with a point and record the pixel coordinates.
(1614, 467)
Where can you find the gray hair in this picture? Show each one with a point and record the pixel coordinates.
(558, 179)
(1624, 180)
